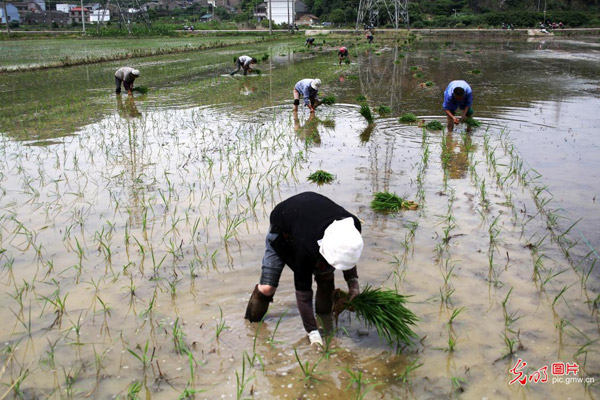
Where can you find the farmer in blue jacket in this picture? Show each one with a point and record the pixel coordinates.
(309, 89)
(458, 94)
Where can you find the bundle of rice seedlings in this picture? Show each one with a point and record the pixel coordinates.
(429, 83)
(320, 177)
(329, 99)
(328, 123)
(140, 89)
(265, 57)
(472, 122)
(408, 117)
(361, 97)
(365, 111)
(475, 71)
(382, 110)
(347, 61)
(414, 68)
(391, 202)
(434, 126)
(382, 309)
(257, 71)
(418, 75)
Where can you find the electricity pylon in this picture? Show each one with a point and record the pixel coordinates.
(397, 11)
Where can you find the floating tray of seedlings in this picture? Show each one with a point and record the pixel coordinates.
(321, 177)
(382, 309)
(391, 202)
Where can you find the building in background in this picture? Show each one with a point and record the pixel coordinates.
(284, 11)
(50, 17)
(65, 7)
(100, 15)
(75, 15)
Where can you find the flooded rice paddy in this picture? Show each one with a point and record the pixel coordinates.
(132, 229)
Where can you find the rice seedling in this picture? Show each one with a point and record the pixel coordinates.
(265, 57)
(418, 75)
(365, 111)
(391, 202)
(458, 384)
(408, 118)
(475, 71)
(144, 358)
(220, 326)
(361, 98)
(329, 99)
(321, 177)
(382, 309)
(472, 122)
(140, 89)
(242, 380)
(434, 126)
(362, 385)
(308, 371)
(429, 83)
(408, 370)
(133, 390)
(383, 110)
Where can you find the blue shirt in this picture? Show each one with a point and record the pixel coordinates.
(450, 103)
(303, 87)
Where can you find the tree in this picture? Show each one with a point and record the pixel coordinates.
(337, 16)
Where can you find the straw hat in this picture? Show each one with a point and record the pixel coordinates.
(315, 84)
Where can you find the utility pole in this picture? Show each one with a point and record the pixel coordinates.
(288, 6)
(82, 16)
(6, 17)
(270, 19)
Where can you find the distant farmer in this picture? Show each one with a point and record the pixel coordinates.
(369, 36)
(309, 89)
(458, 94)
(309, 42)
(343, 54)
(313, 236)
(125, 75)
(244, 62)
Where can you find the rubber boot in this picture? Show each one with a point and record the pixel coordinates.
(324, 297)
(257, 306)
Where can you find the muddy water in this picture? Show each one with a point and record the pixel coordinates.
(131, 242)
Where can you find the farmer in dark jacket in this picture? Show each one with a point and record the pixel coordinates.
(313, 236)
(245, 63)
(125, 75)
(309, 42)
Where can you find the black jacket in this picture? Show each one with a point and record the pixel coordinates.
(300, 222)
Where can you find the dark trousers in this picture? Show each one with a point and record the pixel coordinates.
(126, 85)
(239, 65)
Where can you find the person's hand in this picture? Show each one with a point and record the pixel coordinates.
(353, 289)
(456, 120)
(129, 92)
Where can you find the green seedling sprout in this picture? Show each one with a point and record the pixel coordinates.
(365, 111)
(434, 126)
(408, 118)
(321, 177)
(309, 371)
(391, 202)
(383, 110)
(329, 99)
